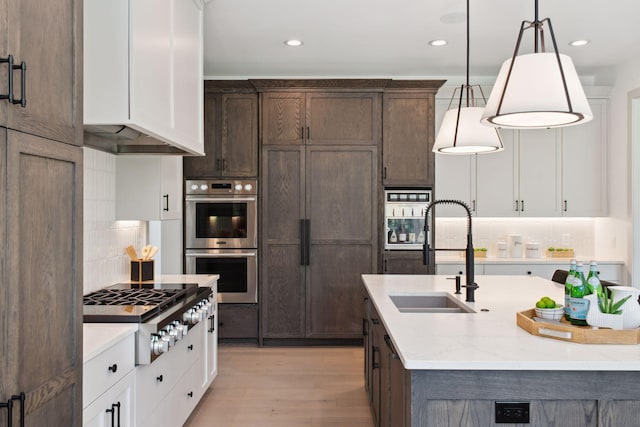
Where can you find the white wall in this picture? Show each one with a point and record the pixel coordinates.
(105, 262)
(613, 234)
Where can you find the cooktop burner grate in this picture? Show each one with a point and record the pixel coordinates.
(132, 296)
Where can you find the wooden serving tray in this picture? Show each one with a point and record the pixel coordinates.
(560, 254)
(565, 331)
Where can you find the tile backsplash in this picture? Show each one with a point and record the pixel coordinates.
(576, 233)
(105, 261)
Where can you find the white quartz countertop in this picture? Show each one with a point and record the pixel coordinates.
(493, 260)
(97, 337)
(485, 340)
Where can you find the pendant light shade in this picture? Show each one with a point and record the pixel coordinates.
(461, 131)
(537, 90)
(466, 135)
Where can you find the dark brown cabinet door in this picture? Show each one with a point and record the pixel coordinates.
(42, 306)
(407, 139)
(282, 274)
(405, 262)
(230, 138)
(283, 118)
(47, 36)
(343, 118)
(341, 203)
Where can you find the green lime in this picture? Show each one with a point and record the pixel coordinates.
(541, 304)
(550, 304)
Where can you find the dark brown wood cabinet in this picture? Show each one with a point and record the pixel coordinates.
(409, 134)
(230, 133)
(47, 37)
(321, 118)
(237, 321)
(318, 237)
(404, 262)
(41, 214)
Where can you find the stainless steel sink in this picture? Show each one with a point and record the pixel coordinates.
(431, 303)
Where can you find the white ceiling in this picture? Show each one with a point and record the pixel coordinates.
(389, 38)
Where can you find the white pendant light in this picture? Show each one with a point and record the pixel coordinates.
(537, 90)
(461, 131)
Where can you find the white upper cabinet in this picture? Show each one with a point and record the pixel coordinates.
(584, 159)
(143, 69)
(540, 173)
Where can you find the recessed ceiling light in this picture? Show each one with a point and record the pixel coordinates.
(577, 43)
(293, 42)
(438, 42)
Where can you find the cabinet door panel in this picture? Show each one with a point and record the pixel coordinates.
(341, 196)
(496, 180)
(407, 139)
(283, 118)
(282, 293)
(239, 139)
(44, 277)
(539, 172)
(47, 36)
(206, 166)
(343, 118)
(584, 165)
(333, 290)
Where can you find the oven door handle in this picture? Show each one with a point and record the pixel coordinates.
(234, 255)
(220, 199)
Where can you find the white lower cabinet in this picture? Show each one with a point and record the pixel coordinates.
(160, 385)
(611, 272)
(109, 386)
(210, 359)
(114, 408)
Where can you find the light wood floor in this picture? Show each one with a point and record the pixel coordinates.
(285, 386)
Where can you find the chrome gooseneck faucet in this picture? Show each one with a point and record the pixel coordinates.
(470, 285)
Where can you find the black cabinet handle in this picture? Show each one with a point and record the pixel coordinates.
(473, 203)
(307, 240)
(384, 172)
(112, 411)
(113, 368)
(9, 61)
(190, 347)
(302, 132)
(190, 394)
(212, 320)
(218, 165)
(385, 266)
(160, 378)
(20, 398)
(375, 321)
(529, 273)
(23, 85)
(521, 205)
(8, 404)
(303, 245)
(224, 165)
(166, 203)
(375, 364)
(565, 205)
(364, 327)
(308, 134)
(117, 405)
(394, 354)
(517, 206)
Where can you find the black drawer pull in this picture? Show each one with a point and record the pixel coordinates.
(190, 347)
(113, 368)
(9, 61)
(23, 85)
(160, 378)
(190, 394)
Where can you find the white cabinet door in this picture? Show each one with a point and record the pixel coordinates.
(151, 65)
(539, 173)
(210, 360)
(454, 174)
(584, 160)
(458, 269)
(188, 84)
(496, 180)
(115, 404)
(148, 188)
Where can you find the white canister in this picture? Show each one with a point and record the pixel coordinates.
(532, 250)
(501, 249)
(514, 242)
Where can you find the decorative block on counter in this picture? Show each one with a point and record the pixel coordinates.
(141, 271)
(567, 253)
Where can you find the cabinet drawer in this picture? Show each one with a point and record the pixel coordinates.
(237, 321)
(107, 368)
(155, 381)
(458, 269)
(541, 270)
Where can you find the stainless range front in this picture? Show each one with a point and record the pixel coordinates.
(164, 312)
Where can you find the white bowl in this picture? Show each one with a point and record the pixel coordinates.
(550, 313)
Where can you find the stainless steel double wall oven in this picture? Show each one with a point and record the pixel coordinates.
(221, 221)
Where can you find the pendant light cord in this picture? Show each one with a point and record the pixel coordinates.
(536, 28)
(467, 87)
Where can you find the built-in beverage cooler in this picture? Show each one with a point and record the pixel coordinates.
(404, 211)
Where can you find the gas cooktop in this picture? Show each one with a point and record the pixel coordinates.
(136, 303)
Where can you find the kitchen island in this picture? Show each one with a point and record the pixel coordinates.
(440, 369)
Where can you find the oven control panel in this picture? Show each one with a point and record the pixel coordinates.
(221, 187)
